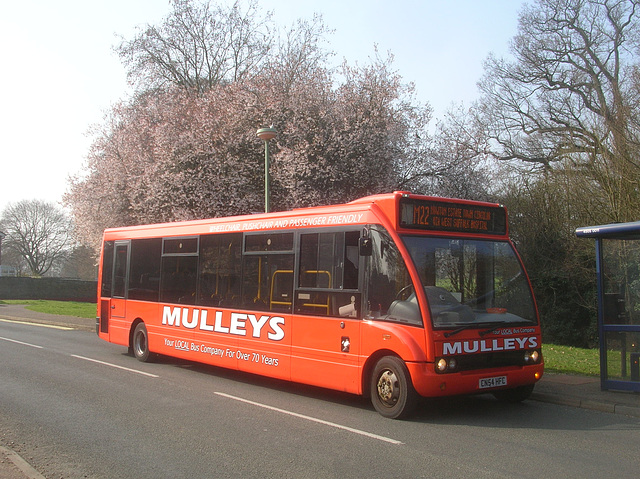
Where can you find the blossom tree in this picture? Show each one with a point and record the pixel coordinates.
(174, 151)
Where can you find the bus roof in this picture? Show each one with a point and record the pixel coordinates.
(362, 211)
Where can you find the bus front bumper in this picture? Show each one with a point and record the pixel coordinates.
(428, 383)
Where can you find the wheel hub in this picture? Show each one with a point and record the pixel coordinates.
(388, 388)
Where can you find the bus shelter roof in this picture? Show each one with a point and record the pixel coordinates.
(614, 230)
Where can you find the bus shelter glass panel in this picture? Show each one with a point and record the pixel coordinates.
(622, 356)
(620, 271)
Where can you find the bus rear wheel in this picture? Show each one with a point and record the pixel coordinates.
(392, 392)
(140, 343)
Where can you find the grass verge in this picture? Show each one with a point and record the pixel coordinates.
(570, 360)
(65, 308)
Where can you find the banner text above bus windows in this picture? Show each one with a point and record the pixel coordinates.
(322, 220)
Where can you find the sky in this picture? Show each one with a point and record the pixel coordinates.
(60, 74)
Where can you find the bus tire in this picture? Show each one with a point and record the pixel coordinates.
(514, 395)
(392, 392)
(140, 344)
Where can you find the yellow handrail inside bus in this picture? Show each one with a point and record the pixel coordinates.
(279, 302)
(276, 298)
(319, 272)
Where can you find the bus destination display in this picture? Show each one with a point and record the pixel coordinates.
(444, 216)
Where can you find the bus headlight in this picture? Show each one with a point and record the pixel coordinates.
(441, 365)
(531, 357)
(444, 365)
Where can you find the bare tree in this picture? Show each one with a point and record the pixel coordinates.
(299, 54)
(38, 231)
(567, 99)
(198, 45)
(453, 162)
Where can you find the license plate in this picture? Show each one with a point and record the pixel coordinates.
(492, 382)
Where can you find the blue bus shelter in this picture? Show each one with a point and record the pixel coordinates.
(618, 280)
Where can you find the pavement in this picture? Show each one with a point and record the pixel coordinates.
(567, 390)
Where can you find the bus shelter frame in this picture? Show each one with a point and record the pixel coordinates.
(614, 231)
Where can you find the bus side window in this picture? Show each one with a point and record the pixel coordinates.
(328, 274)
(178, 279)
(267, 271)
(220, 269)
(351, 260)
(390, 289)
(281, 290)
(267, 282)
(179, 274)
(120, 271)
(107, 269)
(144, 276)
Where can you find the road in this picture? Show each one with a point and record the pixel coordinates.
(76, 407)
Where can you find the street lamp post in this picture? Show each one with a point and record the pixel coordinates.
(266, 134)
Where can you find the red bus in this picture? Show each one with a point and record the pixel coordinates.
(392, 296)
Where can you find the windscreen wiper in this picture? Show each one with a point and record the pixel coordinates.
(448, 334)
(487, 331)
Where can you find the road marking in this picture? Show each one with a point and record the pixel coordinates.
(20, 342)
(26, 468)
(313, 419)
(116, 366)
(64, 328)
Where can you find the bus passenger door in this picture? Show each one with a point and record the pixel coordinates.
(325, 351)
(118, 330)
(325, 341)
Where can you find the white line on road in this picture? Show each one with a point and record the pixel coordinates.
(116, 366)
(313, 419)
(30, 323)
(20, 342)
(26, 468)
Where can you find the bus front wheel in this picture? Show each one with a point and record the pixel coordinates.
(392, 392)
(140, 343)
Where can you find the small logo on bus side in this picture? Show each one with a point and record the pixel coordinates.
(240, 324)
